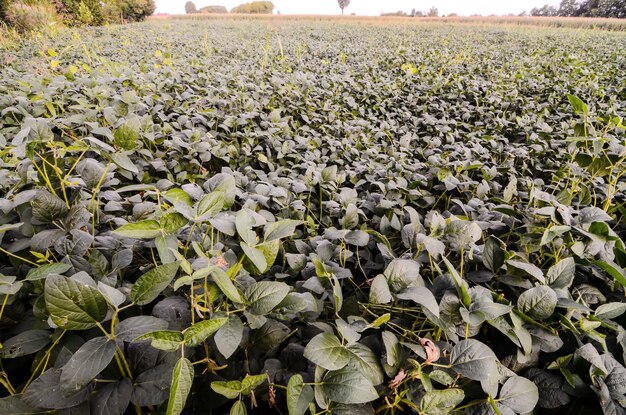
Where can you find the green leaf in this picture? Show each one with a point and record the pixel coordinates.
(88, 361)
(149, 285)
(561, 275)
(255, 256)
(474, 360)
(461, 285)
(131, 328)
(25, 343)
(238, 408)
(299, 395)
(201, 331)
(349, 386)
(112, 398)
(73, 305)
(578, 104)
(250, 383)
(281, 229)
(226, 285)
(166, 340)
(210, 205)
(182, 379)
(519, 394)
(123, 161)
(613, 270)
(610, 310)
(229, 336)
(264, 296)
(325, 350)
(244, 223)
(230, 389)
(379, 291)
(145, 229)
(422, 296)
(44, 270)
(538, 302)
(493, 254)
(441, 402)
(403, 273)
(171, 222)
(363, 358)
(528, 268)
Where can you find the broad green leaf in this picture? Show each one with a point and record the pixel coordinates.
(561, 275)
(402, 274)
(132, 327)
(226, 285)
(264, 296)
(123, 161)
(610, 310)
(73, 305)
(441, 402)
(614, 270)
(44, 270)
(493, 254)
(171, 222)
(210, 205)
(461, 285)
(145, 229)
(528, 268)
(578, 104)
(363, 358)
(229, 336)
(202, 330)
(538, 302)
(166, 340)
(251, 382)
(238, 408)
(182, 379)
(230, 389)
(255, 256)
(325, 350)
(379, 291)
(112, 398)
(88, 361)
(422, 296)
(519, 394)
(25, 343)
(281, 229)
(244, 223)
(299, 395)
(149, 285)
(474, 360)
(348, 386)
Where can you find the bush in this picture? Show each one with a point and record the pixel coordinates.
(214, 9)
(256, 7)
(28, 17)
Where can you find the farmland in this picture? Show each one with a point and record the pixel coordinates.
(350, 216)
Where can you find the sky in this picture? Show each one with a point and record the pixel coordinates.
(372, 7)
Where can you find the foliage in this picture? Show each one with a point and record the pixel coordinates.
(214, 9)
(343, 4)
(584, 8)
(255, 7)
(28, 17)
(331, 224)
(190, 7)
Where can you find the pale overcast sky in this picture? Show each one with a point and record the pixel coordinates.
(372, 7)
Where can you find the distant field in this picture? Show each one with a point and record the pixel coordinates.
(333, 216)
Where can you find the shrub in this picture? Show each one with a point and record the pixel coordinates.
(214, 9)
(28, 17)
(256, 7)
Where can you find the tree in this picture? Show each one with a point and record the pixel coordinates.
(214, 9)
(413, 13)
(256, 7)
(568, 8)
(190, 8)
(343, 4)
(433, 12)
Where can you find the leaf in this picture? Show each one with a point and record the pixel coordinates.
(441, 402)
(131, 328)
(474, 360)
(561, 275)
(229, 336)
(182, 379)
(255, 256)
(112, 398)
(12, 405)
(528, 268)
(379, 291)
(251, 382)
(591, 355)
(493, 254)
(422, 296)
(166, 340)
(151, 386)
(73, 305)
(552, 388)
(281, 229)
(210, 205)
(226, 285)
(364, 359)
(45, 392)
(579, 106)
(199, 332)
(230, 389)
(25, 343)
(45, 270)
(123, 161)
(84, 365)
(461, 285)
(149, 285)
(402, 274)
(538, 302)
(171, 222)
(48, 208)
(244, 223)
(264, 296)
(145, 229)
(238, 408)
(610, 310)
(325, 350)
(299, 395)
(349, 386)
(614, 270)
(519, 394)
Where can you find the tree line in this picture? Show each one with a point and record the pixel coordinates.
(583, 8)
(255, 7)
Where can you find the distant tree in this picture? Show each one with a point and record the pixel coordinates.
(343, 4)
(190, 7)
(433, 12)
(568, 8)
(214, 9)
(419, 13)
(256, 7)
(413, 13)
